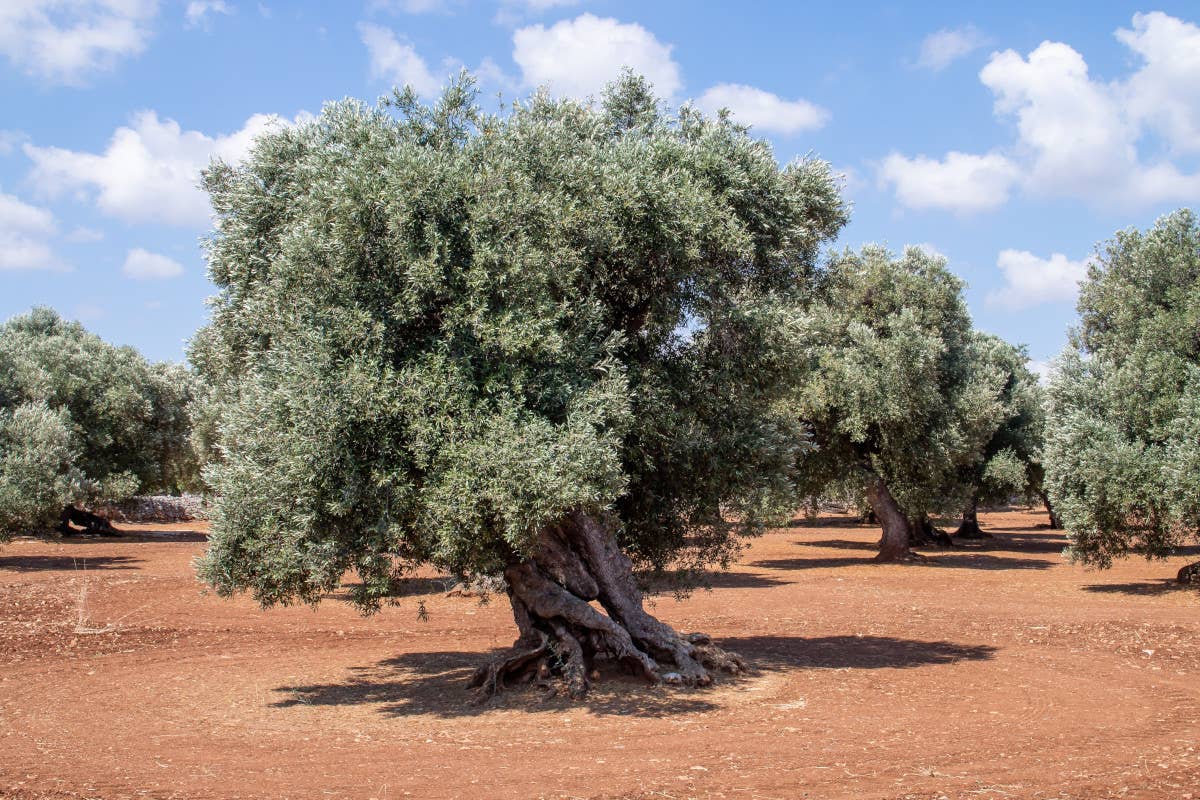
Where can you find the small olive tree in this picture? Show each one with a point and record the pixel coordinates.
(1123, 429)
(83, 422)
(894, 393)
(1008, 463)
(543, 344)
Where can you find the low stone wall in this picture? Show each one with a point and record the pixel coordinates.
(157, 508)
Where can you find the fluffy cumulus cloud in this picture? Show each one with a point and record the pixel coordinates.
(67, 41)
(577, 57)
(143, 265)
(150, 170)
(960, 182)
(763, 110)
(198, 11)
(1165, 93)
(941, 49)
(25, 231)
(1089, 139)
(1030, 280)
(397, 62)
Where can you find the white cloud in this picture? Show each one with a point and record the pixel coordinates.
(24, 234)
(82, 234)
(1088, 139)
(411, 6)
(198, 10)
(150, 170)
(577, 57)
(1165, 92)
(396, 61)
(961, 182)
(1030, 280)
(143, 265)
(939, 50)
(67, 41)
(763, 110)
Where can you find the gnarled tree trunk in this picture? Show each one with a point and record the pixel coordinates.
(1190, 574)
(561, 633)
(894, 545)
(969, 529)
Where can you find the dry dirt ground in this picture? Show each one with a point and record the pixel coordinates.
(998, 671)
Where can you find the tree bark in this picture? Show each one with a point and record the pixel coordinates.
(1055, 521)
(969, 529)
(1189, 574)
(91, 523)
(562, 633)
(894, 545)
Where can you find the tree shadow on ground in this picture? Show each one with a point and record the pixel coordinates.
(662, 584)
(1155, 587)
(436, 683)
(80, 537)
(830, 522)
(852, 652)
(66, 563)
(942, 558)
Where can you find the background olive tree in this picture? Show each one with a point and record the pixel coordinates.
(894, 391)
(83, 422)
(1008, 464)
(1123, 429)
(544, 343)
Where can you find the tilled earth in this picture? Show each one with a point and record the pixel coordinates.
(993, 671)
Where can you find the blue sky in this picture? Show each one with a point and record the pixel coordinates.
(1010, 138)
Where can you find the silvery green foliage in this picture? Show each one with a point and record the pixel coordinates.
(438, 331)
(894, 384)
(37, 472)
(1009, 462)
(93, 422)
(1123, 428)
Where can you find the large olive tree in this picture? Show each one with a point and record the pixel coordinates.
(894, 392)
(544, 343)
(82, 421)
(1123, 430)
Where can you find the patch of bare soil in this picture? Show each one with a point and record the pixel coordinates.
(995, 670)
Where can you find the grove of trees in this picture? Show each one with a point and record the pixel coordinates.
(83, 422)
(570, 344)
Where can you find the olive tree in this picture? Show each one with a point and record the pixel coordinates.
(543, 343)
(82, 421)
(1008, 462)
(1123, 429)
(893, 393)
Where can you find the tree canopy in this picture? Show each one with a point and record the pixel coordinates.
(83, 421)
(894, 389)
(492, 342)
(1123, 429)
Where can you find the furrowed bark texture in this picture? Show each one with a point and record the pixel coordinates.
(562, 633)
(1190, 574)
(894, 545)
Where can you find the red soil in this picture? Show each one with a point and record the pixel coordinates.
(995, 672)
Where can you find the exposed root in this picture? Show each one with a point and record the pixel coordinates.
(563, 633)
